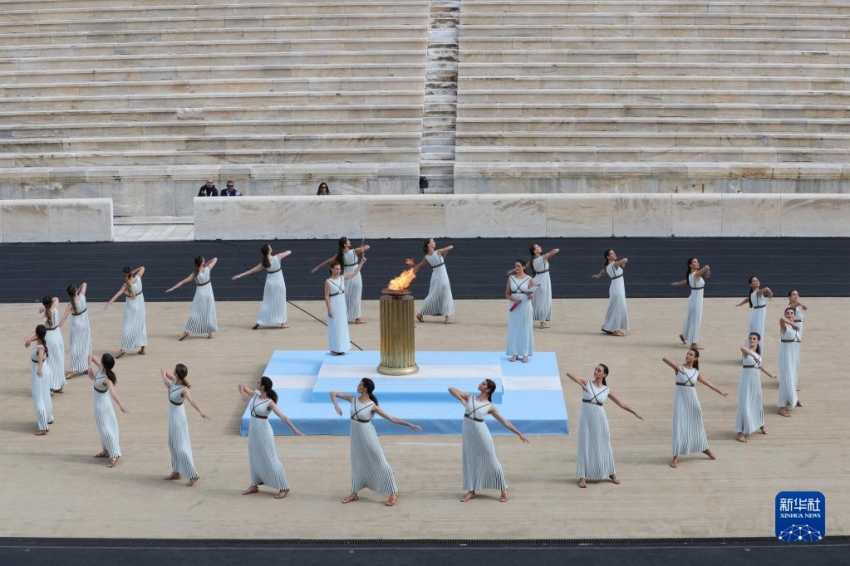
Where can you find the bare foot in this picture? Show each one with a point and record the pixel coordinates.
(192, 482)
(41, 432)
(797, 405)
(183, 337)
(512, 359)
(62, 391)
(284, 326)
(102, 454)
(256, 326)
(120, 353)
(112, 462)
(615, 479)
(419, 317)
(359, 321)
(250, 490)
(173, 476)
(525, 359)
(281, 494)
(784, 412)
(467, 497)
(674, 463)
(449, 320)
(618, 333)
(741, 438)
(393, 498)
(142, 351)
(696, 346)
(209, 336)
(763, 430)
(582, 484)
(682, 338)
(350, 498)
(504, 497)
(709, 453)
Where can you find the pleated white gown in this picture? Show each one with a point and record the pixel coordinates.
(750, 415)
(202, 318)
(135, 332)
(56, 348)
(595, 455)
(178, 434)
(339, 339)
(439, 301)
(354, 285)
(616, 317)
(481, 468)
(266, 467)
(273, 308)
(789, 353)
(688, 429)
(104, 416)
(542, 300)
(520, 323)
(755, 323)
(369, 466)
(80, 337)
(693, 318)
(799, 320)
(41, 390)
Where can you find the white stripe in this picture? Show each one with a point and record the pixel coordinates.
(336, 371)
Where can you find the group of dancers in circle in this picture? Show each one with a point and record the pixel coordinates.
(529, 293)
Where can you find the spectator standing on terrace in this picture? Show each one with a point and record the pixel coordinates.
(323, 190)
(208, 190)
(230, 191)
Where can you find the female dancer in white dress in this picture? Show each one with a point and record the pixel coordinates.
(439, 301)
(349, 259)
(182, 463)
(273, 307)
(688, 429)
(135, 332)
(202, 319)
(695, 277)
(481, 468)
(339, 340)
(55, 343)
(750, 415)
(538, 267)
(616, 318)
(104, 413)
(80, 334)
(369, 466)
(757, 299)
(799, 318)
(789, 352)
(519, 290)
(41, 383)
(595, 456)
(266, 468)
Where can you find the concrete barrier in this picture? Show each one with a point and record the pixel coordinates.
(56, 220)
(524, 215)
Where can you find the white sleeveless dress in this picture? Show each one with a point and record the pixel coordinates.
(693, 318)
(799, 320)
(339, 339)
(80, 336)
(178, 434)
(750, 414)
(688, 429)
(135, 332)
(439, 301)
(542, 299)
(41, 390)
(56, 348)
(789, 353)
(202, 318)
(104, 416)
(354, 285)
(369, 466)
(481, 468)
(595, 456)
(273, 308)
(266, 467)
(755, 323)
(520, 323)
(616, 317)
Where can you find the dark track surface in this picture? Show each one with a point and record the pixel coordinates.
(477, 267)
(693, 552)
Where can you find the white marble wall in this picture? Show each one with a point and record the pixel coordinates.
(56, 220)
(524, 215)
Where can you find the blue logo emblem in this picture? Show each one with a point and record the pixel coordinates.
(800, 516)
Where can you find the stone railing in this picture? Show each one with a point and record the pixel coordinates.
(521, 215)
(56, 220)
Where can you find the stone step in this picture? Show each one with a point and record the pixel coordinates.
(702, 83)
(547, 26)
(505, 155)
(194, 34)
(565, 123)
(755, 111)
(655, 56)
(155, 158)
(182, 101)
(534, 23)
(657, 6)
(657, 96)
(164, 144)
(674, 44)
(437, 169)
(312, 113)
(213, 60)
(638, 140)
(212, 128)
(207, 26)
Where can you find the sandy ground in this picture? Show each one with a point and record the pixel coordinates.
(52, 486)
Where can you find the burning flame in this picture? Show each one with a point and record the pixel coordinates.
(404, 280)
